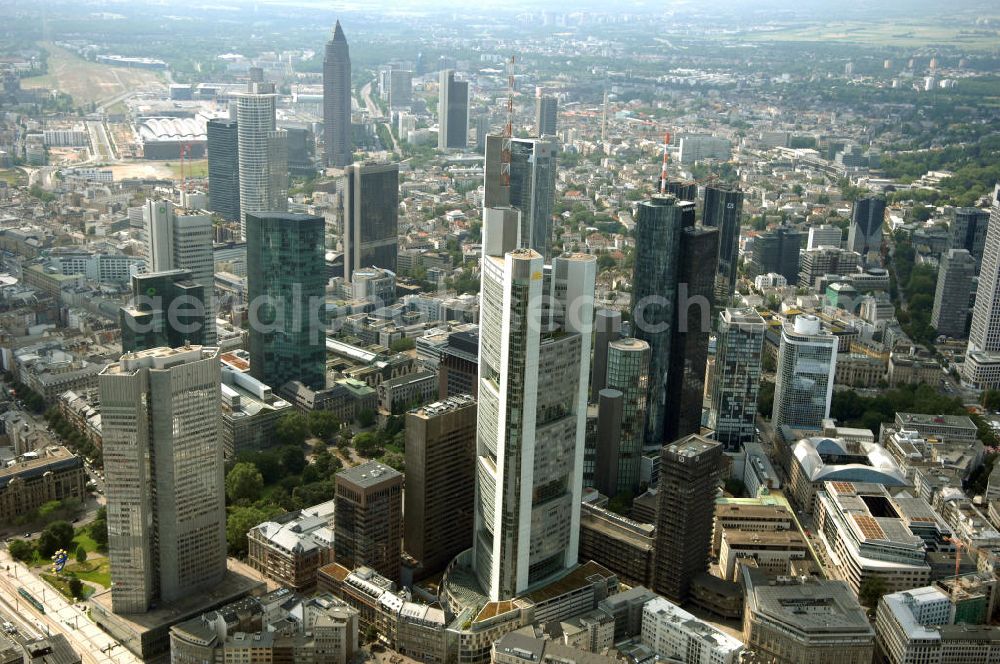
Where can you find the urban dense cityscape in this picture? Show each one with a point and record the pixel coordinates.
(437, 333)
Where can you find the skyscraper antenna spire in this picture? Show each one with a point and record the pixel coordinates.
(663, 169)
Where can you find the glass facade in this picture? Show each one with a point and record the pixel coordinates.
(286, 283)
(371, 217)
(223, 168)
(657, 240)
(628, 372)
(804, 384)
(168, 309)
(739, 343)
(724, 210)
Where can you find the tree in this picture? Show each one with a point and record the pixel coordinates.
(293, 460)
(21, 550)
(991, 400)
(244, 483)
(323, 424)
(291, 429)
(81, 554)
(394, 460)
(238, 522)
(98, 528)
(57, 535)
(403, 344)
(871, 591)
(368, 444)
(76, 587)
(366, 417)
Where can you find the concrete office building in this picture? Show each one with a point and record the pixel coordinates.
(957, 274)
(982, 358)
(263, 153)
(165, 485)
(815, 264)
(440, 482)
(337, 100)
(286, 284)
(371, 217)
(791, 620)
(824, 235)
(807, 362)
(453, 111)
(250, 413)
(546, 113)
(967, 229)
(38, 477)
(223, 168)
(676, 635)
(622, 545)
(628, 372)
(723, 209)
(658, 227)
(689, 478)
(739, 342)
(369, 518)
(178, 239)
(533, 370)
(607, 328)
(532, 187)
(865, 234)
(167, 309)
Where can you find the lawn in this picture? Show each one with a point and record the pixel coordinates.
(192, 169)
(83, 539)
(87, 81)
(95, 570)
(13, 176)
(61, 583)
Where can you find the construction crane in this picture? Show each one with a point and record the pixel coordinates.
(508, 129)
(184, 151)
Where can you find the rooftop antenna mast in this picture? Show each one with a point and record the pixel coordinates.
(508, 128)
(663, 169)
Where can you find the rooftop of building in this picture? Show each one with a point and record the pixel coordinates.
(368, 474)
(918, 419)
(712, 637)
(812, 605)
(448, 405)
(302, 531)
(579, 577)
(32, 465)
(825, 459)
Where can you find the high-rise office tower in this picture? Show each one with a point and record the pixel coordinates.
(440, 481)
(658, 227)
(223, 168)
(723, 209)
(177, 239)
(684, 190)
(532, 187)
(602, 447)
(286, 286)
(817, 263)
(777, 251)
(167, 309)
(689, 478)
(371, 217)
(337, 100)
(482, 130)
(982, 358)
(263, 174)
(628, 372)
(807, 363)
(453, 111)
(607, 328)
(368, 528)
(739, 343)
(546, 112)
(865, 234)
(692, 324)
(400, 88)
(165, 485)
(967, 228)
(954, 291)
(458, 369)
(533, 369)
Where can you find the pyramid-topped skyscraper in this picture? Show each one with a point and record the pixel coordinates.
(337, 100)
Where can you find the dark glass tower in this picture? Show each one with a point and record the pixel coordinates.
(685, 510)
(778, 251)
(453, 111)
(723, 209)
(223, 168)
(546, 108)
(685, 190)
(865, 234)
(167, 309)
(286, 282)
(371, 217)
(967, 230)
(658, 226)
(697, 259)
(337, 100)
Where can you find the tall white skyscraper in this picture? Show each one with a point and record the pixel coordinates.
(263, 153)
(179, 239)
(534, 356)
(165, 485)
(982, 359)
(807, 361)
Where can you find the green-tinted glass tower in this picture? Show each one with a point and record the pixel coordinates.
(167, 309)
(286, 282)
